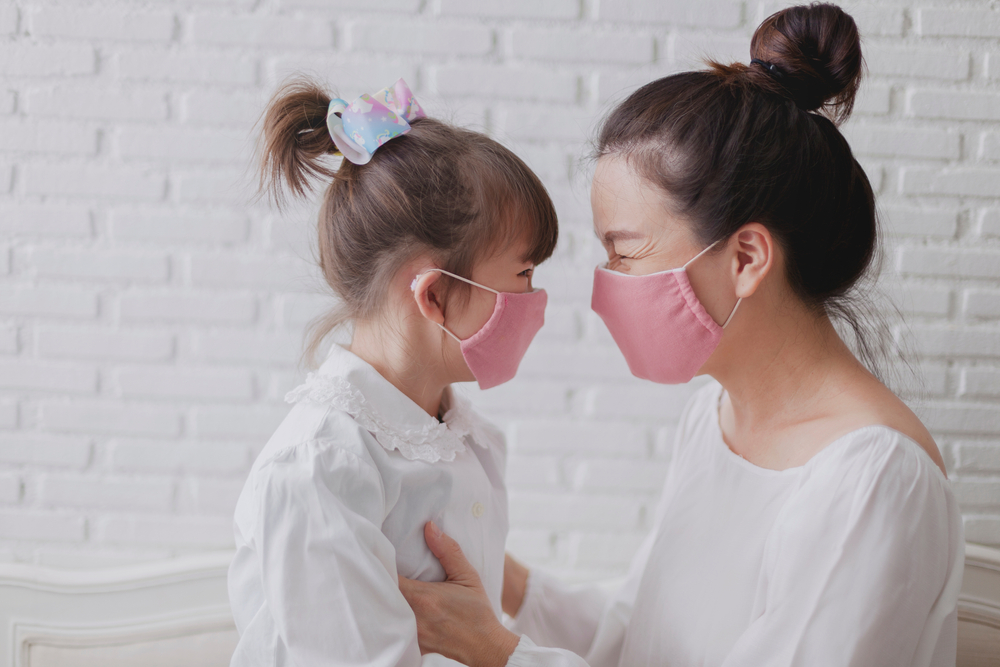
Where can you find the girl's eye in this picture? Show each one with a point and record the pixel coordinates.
(526, 273)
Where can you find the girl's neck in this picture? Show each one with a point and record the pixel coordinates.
(403, 365)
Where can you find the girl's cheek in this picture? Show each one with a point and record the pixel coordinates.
(477, 312)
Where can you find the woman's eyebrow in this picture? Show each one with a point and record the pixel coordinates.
(619, 235)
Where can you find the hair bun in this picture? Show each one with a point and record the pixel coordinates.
(816, 50)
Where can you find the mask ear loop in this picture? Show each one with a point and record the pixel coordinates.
(413, 286)
(739, 300)
(465, 280)
(730, 318)
(701, 253)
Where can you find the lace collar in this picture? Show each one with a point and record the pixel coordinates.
(348, 383)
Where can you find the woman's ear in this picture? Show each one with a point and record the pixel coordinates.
(425, 293)
(755, 254)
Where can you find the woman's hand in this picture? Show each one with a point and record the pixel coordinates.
(455, 617)
(515, 580)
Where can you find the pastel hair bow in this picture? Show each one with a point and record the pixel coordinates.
(371, 120)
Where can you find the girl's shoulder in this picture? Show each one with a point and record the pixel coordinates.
(309, 453)
(394, 425)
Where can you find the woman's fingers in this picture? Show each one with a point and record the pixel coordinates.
(420, 599)
(456, 567)
(409, 588)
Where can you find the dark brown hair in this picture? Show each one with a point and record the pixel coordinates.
(759, 143)
(452, 193)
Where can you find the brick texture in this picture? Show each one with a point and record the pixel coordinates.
(152, 311)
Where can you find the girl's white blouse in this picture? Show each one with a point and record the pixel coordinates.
(334, 511)
(854, 558)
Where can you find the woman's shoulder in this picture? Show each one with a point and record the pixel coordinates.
(873, 454)
(875, 499)
(876, 471)
(865, 400)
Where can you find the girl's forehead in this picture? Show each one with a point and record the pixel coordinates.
(512, 251)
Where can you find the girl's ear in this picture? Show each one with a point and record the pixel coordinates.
(424, 288)
(755, 254)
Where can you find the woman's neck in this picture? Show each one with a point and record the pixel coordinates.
(783, 368)
(398, 358)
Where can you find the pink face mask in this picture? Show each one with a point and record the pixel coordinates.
(494, 352)
(657, 321)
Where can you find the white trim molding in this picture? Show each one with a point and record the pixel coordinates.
(979, 608)
(141, 604)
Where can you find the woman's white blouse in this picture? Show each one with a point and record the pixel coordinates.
(334, 511)
(854, 558)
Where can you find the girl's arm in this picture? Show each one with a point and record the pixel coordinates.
(328, 573)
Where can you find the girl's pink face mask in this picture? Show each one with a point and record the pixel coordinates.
(658, 323)
(494, 353)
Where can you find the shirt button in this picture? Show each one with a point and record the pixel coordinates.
(477, 510)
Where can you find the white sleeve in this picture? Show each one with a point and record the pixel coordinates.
(585, 619)
(527, 654)
(559, 616)
(865, 569)
(570, 622)
(328, 573)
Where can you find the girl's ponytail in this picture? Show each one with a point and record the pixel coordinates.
(295, 140)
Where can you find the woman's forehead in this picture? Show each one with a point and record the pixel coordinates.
(619, 193)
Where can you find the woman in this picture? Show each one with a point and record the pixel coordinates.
(805, 518)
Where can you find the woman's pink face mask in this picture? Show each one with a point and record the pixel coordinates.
(658, 323)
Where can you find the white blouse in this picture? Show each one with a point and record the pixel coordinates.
(854, 558)
(334, 511)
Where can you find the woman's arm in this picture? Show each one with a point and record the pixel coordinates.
(515, 581)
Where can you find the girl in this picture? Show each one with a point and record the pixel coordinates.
(428, 234)
(805, 518)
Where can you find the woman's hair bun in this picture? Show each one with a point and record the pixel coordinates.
(815, 54)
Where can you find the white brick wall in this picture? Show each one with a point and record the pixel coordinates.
(151, 317)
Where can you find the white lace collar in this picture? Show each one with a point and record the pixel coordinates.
(348, 383)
